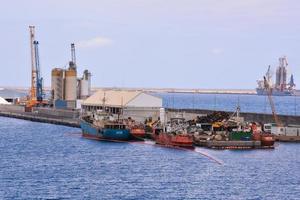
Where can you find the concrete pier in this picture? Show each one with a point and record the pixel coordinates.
(46, 115)
(37, 118)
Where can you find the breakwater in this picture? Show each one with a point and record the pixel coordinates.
(284, 105)
(255, 117)
(45, 115)
(37, 118)
(71, 117)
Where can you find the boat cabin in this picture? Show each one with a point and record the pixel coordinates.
(114, 126)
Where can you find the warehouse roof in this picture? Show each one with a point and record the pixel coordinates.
(114, 98)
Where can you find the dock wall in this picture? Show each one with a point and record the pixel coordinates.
(71, 117)
(255, 117)
(45, 115)
(59, 113)
(37, 118)
(11, 108)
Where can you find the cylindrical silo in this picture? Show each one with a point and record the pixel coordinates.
(70, 84)
(85, 85)
(57, 84)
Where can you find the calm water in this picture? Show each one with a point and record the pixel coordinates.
(289, 105)
(42, 161)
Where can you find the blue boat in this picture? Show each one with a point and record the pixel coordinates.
(104, 130)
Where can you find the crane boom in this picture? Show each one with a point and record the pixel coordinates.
(33, 64)
(269, 92)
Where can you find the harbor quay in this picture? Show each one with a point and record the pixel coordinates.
(71, 117)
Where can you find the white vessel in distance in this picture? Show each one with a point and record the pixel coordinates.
(281, 87)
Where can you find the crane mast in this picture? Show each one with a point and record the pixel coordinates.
(73, 55)
(33, 64)
(39, 79)
(36, 91)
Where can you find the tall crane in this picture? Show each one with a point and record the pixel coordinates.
(33, 68)
(269, 92)
(36, 91)
(39, 79)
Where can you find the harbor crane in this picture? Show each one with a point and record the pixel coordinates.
(36, 91)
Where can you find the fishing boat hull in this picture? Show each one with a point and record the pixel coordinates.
(170, 140)
(138, 132)
(92, 132)
(267, 140)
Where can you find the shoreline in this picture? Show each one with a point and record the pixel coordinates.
(163, 90)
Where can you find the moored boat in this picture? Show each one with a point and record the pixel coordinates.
(104, 129)
(182, 140)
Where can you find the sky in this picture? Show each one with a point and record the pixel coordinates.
(209, 44)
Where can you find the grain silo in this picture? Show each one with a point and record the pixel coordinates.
(85, 85)
(57, 83)
(70, 84)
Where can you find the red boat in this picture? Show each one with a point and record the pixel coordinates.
(267, 139)
(173, 140)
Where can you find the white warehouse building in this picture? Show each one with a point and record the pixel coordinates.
(135, 104)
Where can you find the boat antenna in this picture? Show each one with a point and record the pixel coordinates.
(122, 107)
(121, 112)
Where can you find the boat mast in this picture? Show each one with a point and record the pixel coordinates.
(103, 102)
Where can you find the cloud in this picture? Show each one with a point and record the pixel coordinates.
(95, 42)
(217, 51)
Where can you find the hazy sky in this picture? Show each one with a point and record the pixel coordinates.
(153, 43)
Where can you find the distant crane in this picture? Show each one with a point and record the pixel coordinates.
(73, 55)
(36, 91)
(269, 92)
(269, 75)
(72, 63)
(39, 79)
